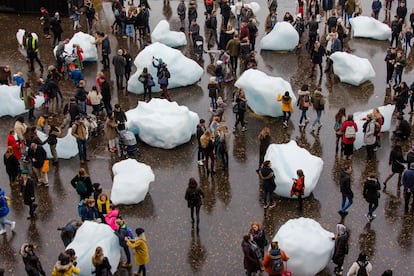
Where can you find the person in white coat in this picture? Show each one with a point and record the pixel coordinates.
(361, 263)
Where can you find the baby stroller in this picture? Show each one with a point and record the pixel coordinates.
(95, 124)
(68, 66)
(128, 144)
(198, 47)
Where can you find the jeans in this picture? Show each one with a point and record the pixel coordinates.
(266, 195)
(286, 115)
(346, 205)
(398, 76)
(82, 149)
(119, 81)
(3, 222)
(318, 117)
(407, 196)
(200, 155)
(142, 269)
(303, 116)
(127, 253)
(213, 102)
(197, 212)
(82, 105)
(123, 28)
(372, 206)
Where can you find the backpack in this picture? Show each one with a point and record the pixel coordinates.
(350, 132)
(362, 269)
(129, 232)
(242, 106)
(81, 187)
(322, 103)
(305, 100)
(193, 197)
(208, 23)
(167, 73)
(235, 108)
(337, 126)
(277, 263)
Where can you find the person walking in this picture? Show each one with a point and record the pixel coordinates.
(32, 51)
(369, 135)
(106, 50)
(233, 48)
(340, 117)
(12, 165)
(390, 61)
(408, 182)
(241, 108)
(4, 211)
(201, 128)
(265, 139)
(139, 245)
(55, 25)
(37, 155)
(371, 194)
(361, 263)
(119, 63)
(396, 161)
(251, 255)
(267, 176)
(273, 260)
(181, 9)
(341, 248)
(318, 103)
(79, 132)
(106, 96)
(194, 196)
(346, 191)
(82, 183)
(304, 100)
(31, 261)
(28, 193)
(211, 24)
(101, 263)
(206, 141)
(287, 107)
(81, 95)
(147, 81)
(348, 129)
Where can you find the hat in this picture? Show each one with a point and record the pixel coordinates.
(286, 93)
(25, 171)
(139, 231)
(212, 78)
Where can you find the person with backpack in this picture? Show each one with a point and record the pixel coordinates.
(318, 103)
(304, 100)
(267, 176)
(163, 75)
(369, 128)
(193, 196)
(371, 194)
(252, 255)
(273, 260)
(341, 247)
(4, 211)
(287, 107)
(345, 188)
(349, 129)
(361, 267)
(122, 232)
(82, 184)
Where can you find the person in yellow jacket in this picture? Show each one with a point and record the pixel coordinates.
(287, 107)
(140, 250)
(65, 266)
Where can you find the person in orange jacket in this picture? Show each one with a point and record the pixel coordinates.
(271, 259)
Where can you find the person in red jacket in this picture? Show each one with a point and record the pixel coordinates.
(12, 142)
(272, 256)
(349, 129)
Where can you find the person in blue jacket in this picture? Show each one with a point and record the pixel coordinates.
(4, 211)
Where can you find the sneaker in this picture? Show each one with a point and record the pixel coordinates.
(306, 121)
(285, 123)
(265, 206)
(46, 184)
(200, 162)
(126, 264)
(302, 124)
(368, 217)
(2, 232)
(272, 206)
(244, 129)
(13, 225)
(373, 216)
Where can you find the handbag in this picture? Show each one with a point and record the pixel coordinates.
(88, 101)
(150, 83)
(45, 167)
(162, 81)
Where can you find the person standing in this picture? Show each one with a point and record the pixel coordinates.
(408, 182)
(212, 26)
(139, 245)
(251, 252)
(106, 50)
(106, 96)
(265, 139)
(267, 176)
(120, 117)
(32, 50)
(241, 111)
(346, 191)
(259, 236)
(348, 129)
(369, 135)
(194, 31)
(181, 9)
(128, 64)
(37, 156)
(28, 193)
(81, 95)
(119, 65)
(376, 8)
(341, 248)
(233, 48)
(194, 196)
(318, 103)
(101, 263)
(207, 146)
(275, 255)
(45, 21)
(12, 165)
(371, 194)
(361, 263)
(410, 156)
(390, 60)
(80, 133)
(31, 261)
(303, 102)
(146, 79)
(95, 99)
(396, 161)
(201, 128)
(82, 183)
(55, 25)
(124, 232)
(298, 188)
(287, 107)
(317, 54)
(111, 134)
(4, 211)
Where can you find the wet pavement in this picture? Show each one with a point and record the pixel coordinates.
(232, 198)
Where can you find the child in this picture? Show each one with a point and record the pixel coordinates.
(103, 205)
(298, 187)
(42, 122)
(76, 17)
(18, 79)
(97, 190)
(79, 53)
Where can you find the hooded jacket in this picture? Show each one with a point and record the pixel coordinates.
(345, 184)
(341, 244)
(268, 177)
(371, 188)
(267, 261)
(139, 245)
(4, 209)
(65, 270)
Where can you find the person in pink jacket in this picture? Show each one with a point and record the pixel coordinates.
(349, 129)
(111, 217)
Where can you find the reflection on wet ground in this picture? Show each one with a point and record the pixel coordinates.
(232, 197)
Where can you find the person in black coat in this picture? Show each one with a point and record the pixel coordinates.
(106, 97)
(317, 56)
(268, 183)
(403, 130)
(396, 161)
(37, 155)
(31, 261)
(341, 247)
(101, 263)
(12, 165)
(72, 109)
(55, 25)
(346, 191)
(251, 259)
(225, 12)
(28, 193)
(84, 177)
(259, 236)
(193, 196)
(371, 195)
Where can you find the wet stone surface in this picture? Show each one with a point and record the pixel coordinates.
(232, 197)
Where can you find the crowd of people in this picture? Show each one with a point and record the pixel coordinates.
(27, 165)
